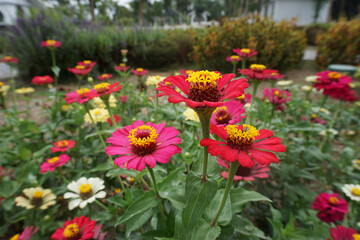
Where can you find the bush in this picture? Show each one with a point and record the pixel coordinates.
(313, 30)
(147, 47)
(341, 44)
(279, 45)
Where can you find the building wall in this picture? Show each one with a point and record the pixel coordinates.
(8, 10)
(303, 10)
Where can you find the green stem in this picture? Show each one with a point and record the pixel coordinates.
(121, 183)
(101, 205)
(139, 83)
(157, 106)
(234, 66)
(107, 104)
(96, 128)
(336, 115)
(255, 87)
(13, 86)
(233, 167)
(325, 98)
(145, 183)
(161, 208)
(272, 115)
(3, 101)
(90, 211)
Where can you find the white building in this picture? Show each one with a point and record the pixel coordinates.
(11, 9)
(303, 10)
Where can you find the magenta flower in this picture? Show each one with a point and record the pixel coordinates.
(81, 96)
(245, 52)
(52, 163)
(26, 234)
(343, 233)
(140, 145)
(277, 97)
(233, 58)
(229, 113)
(245, 173)
(331, 208)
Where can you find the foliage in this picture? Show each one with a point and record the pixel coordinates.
(313, 30)
(279, 45)
(340, 44)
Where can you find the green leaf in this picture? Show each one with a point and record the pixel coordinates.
(240, 196)
(24, 153)
(101, 132)
(198, 195)
(56, 70)
(173, 189)
(121, 171)
(204, 231)
(141, 205)
(117, 200)
(246, 227)
(226, 214)
(137, 221)
(8, 188)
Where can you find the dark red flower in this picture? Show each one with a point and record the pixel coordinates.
(42, 80)
(122, 67)
(203, 89)
(79, 70)
(257, 72)
(52, 44)
(9, 59)
(116, 117)
(331, 208)
(343, 233)
(78, 229)
(245, 144)
(105, 77)
(139, 71)
(245, 52)
(63, 145)
(87, 64)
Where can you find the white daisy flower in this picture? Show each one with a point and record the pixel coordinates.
(191, 115)
(284, 82)
(36, 198)
(352, 191)
(311, 79)
(84, 191)
(153, 80)
(98, 115)
(98, 103)
(356, 164)
(306, 88)
(330, 131)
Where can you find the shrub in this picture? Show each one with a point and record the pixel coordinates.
(341, 44)
(313, 30)
(279, 45)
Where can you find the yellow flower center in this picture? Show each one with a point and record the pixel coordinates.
(277, 93)
(105, 75)
(333, 200)
(1, 84)
(51, 42)
(356, 236)
(157, 78)
(142, 136)
(222, 115)
(87, 62)
(203, 79)
(355, 191)
(97, 112)
(117, 190)
(238, 137)
(131, 180)
(257, 67)
(358, 161)
(85, 188)
(7, 58)
(65, 108)
(38, 194)
(334, 75)
(53, 160)
(71, 231)
(235, 57)
(82, 91)
(102, 87)
(274, 74)
(245, 50)
(15, 237)
(242, 97)
(122, 64)
(189, 71)
(313, 115)
(139, 69)
(63, 143)
(80, 67)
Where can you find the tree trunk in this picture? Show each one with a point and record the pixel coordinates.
(92, 10)
(141, 12)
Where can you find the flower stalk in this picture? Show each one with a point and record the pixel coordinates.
(255, 87)
(107, 104)
(161, 208)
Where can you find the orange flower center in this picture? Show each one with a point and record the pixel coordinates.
(257, 67)
(139, 69)
(53, 160)
(51, 42)
(71, 231)
(333, 200)
(82, 91)
(355, 191)
(203, 86)
(235, 57)
(87, 62)
(222, 115)
(102, 87)
(105, 75)
(143, 140)
(241, 139)
(334, 75)
(7, 58)
(117, 190)
(63, 143)
(356, 236)
(245, 50)
(80, 67)
(122, 64)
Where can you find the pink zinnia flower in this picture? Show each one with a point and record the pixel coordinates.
(52, 163)
(62, 145)
(139, 71)
(104, 89)
(276, 76)
(257, 72)
(233, 58)
(314, 119)
(245, 144)
(79, 228)
(245, 98)
(80, 70)
(122, 67)
(123, 99)
(343, 233)
(42, 80)
(9, 59)
(105, 77)
(186, 73)
(245, 173)
(228, 114)
(277, 97)
(87, 64)
(331, 208)
(116, 117)
(52, 44)
(245, 52)
(81, 96)
(203, 89)
(139, 145)
(26, 234)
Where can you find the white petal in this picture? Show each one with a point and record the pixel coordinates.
(74, 203)
(101, 194)
(82, 181)
(73, 186)
(71, 195)
(83, 204)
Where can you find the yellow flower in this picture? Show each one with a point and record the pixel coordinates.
(36, 198)
(98, 103)
(356, 164)
(306, 88)
(65, 108)
(191, 115)
(98, 115)
(4, 88)
(153, 80)
(24, 90)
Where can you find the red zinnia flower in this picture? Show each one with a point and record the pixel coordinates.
(52, 163)
(277, 97)
(331, 208)
(62, 145)
(123, 99)
(139, 145)
(122, 67)
(80, 70)
(82, 95)
(78, 229)
(105, 77)
(233, 58)
(9, 59)
(245, 144)
(245, 52)
(228, 114)
(51, 44)
(139, 71)
(245, 173)
(104, 89)
(42, 80)
(257, 72)
(203, 89)
(87, 63)
(186, 73)
(343, 233)
(116, 117)
(245, 98)
(276, 76)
